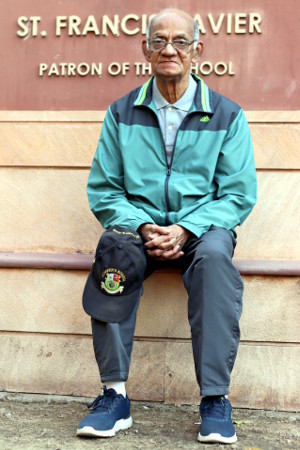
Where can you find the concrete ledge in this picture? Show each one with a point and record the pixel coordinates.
(69, 261)
(265, 376)
(50, 301)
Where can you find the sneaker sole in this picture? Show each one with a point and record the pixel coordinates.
(217, 438)
(122, 424)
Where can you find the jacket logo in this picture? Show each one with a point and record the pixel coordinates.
(205, 119)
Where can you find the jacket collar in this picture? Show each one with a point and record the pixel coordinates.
(202, 100)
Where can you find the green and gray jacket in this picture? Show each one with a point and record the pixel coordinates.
(211, 179)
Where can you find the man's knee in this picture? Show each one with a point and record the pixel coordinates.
(216, 245)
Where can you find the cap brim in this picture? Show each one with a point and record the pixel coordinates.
(107, 308)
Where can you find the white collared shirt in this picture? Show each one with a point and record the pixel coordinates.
(170, 116)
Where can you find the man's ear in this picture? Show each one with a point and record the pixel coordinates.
(197, 51)
(146, 50)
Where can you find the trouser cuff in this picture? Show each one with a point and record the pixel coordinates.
(214, 390)
(120, 376)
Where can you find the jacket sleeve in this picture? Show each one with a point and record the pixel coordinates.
(105, 188)
(235, 178)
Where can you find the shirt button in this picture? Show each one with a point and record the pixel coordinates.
(170, 108)
(170, 127)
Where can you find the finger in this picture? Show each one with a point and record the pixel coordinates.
(160, 230)
(163, 246)
(171, 254)
(170, 258)
(156, 254)
(161, 242)
(174, 253)
(152, 236)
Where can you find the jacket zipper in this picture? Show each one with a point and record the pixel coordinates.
(168, 174)
(169, 167)
(167, 192)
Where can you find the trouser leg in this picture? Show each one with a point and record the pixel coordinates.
(113, 346)
(215, 292)
(112, 340)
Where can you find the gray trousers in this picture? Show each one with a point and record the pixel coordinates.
(215, 290)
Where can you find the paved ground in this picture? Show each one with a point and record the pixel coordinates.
(46, 422)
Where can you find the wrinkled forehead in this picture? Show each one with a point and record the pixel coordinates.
(175, 24)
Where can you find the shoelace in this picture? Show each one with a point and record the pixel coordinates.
(103, 400)
(214, 406)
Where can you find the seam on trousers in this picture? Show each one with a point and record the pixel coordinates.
(239, 287)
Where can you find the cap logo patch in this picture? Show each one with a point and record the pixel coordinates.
(137, 236)
(113, 279)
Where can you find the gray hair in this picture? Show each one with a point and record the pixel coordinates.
(196, 32)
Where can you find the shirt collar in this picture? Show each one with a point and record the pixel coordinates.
(184, 103)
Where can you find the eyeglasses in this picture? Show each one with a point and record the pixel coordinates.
(181, 45)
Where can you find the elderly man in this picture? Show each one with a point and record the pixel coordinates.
(172, 177)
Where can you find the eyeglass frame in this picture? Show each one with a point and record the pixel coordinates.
(171, 43)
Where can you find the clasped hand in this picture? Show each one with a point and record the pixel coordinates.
(164, 243)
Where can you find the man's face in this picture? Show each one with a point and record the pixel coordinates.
(169, 62)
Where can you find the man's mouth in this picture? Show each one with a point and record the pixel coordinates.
(168, 62)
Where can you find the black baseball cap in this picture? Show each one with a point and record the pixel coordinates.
(115, 279)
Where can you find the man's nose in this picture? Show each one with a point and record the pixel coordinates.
(169, 49)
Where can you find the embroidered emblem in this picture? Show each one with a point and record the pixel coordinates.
(137, 236)
(112, 281)
(205, 119)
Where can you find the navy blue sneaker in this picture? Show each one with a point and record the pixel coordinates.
(216, 422)
(110, 413)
